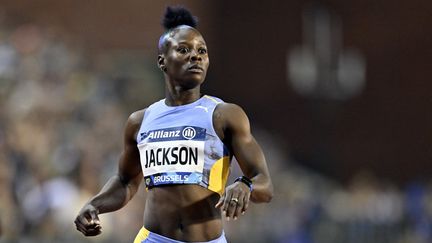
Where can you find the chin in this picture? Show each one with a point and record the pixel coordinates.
(191, 84)
(193, 81)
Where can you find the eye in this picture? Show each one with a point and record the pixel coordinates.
(183, 50)
(202, 51)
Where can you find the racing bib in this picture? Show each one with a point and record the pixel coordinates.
(172, 155)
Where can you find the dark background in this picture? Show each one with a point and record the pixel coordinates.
(387, 128)
(346, 167)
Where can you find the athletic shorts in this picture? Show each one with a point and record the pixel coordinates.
(145, 236)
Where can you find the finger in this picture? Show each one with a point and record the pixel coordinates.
(82, 229)
(220, 202)
(246, 202)
(232, 205)
(94, 217)
(225, 204)
(94, 226)
(89, 231)
(239, 207)
(93, 232)
(82, 220)
(88, 217)
(85, 226)
(89, 227)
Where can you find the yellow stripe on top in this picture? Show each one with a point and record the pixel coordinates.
(219, 175)
(212, 99)
(142, 235)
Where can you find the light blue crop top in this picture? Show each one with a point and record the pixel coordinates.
(178, 145)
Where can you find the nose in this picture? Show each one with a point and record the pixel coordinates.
(195, 56)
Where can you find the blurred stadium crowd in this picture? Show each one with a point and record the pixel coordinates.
(62, 111)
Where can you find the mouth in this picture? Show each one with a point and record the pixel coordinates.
(195, 69)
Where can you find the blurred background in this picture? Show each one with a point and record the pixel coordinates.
(337, 93)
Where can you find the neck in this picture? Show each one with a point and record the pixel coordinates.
(177, 95)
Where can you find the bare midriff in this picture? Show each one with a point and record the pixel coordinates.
(183, 212)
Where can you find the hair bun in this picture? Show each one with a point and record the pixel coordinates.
(176, 16)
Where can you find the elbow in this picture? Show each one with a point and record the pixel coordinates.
(130, 187)
(268, 195)
(263, 196)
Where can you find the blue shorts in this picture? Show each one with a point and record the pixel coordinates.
(145, 236)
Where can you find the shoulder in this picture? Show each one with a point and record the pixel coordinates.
(133, 123)
(230, 110)
(136, 117)
(228, 107)
(229, 116)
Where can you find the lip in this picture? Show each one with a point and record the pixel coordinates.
(195, 69)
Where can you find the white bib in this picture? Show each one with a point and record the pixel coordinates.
(172, 156)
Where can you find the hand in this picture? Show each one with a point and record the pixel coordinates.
(87, 221)
(235, 200)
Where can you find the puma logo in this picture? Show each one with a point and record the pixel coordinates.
(202, 107)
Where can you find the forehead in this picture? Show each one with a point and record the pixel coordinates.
(186, 34)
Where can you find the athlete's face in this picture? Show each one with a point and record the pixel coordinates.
(185, 61)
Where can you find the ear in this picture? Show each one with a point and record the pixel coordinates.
(161, 62)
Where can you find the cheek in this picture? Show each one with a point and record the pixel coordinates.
(175, 65)
(207, 64)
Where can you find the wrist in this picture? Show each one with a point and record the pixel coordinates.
(246, 181)
(93, 205)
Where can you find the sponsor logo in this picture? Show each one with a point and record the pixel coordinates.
(202, 107)
(170, 178)
(171, 133)
(163, 134)
(189, 133)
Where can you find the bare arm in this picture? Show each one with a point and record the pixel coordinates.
(250, 157)
(120, 188)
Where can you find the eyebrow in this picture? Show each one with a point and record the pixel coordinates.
(186, 42)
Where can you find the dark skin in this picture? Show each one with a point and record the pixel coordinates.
(184, 212)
